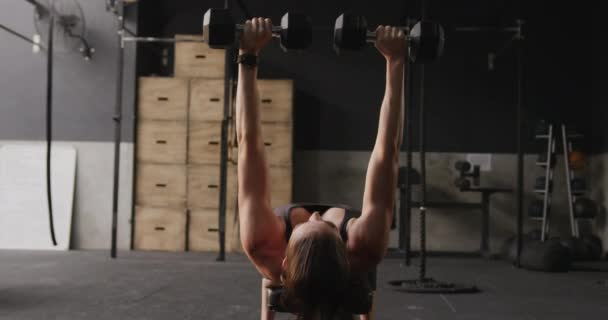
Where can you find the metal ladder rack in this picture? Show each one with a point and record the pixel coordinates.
(548, 164)
(572, 194)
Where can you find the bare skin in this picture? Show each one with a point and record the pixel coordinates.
(262, 233)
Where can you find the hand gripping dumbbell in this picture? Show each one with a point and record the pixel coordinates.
(426, 38)
(220, 31)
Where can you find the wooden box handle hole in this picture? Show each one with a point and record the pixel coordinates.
(161, 141)
(161, 185)
(200, 56)
(212, 186)
(159, 228)
(214, 99)
(163, 99)
(266, 100)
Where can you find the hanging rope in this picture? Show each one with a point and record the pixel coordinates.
(49, 124)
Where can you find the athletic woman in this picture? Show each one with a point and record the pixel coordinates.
(319, 254)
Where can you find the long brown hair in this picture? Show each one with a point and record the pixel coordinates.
(316, 274)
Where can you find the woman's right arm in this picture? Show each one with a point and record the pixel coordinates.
(368, 234)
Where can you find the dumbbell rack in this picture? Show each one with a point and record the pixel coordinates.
(572, 194)
(548, 164)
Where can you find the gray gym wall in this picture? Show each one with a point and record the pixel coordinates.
(84, 100)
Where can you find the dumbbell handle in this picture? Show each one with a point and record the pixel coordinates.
(370, 36)
(276, 30)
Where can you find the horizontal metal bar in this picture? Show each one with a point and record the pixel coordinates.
(162, 40)
(486, 29)
(448, 205)
(19, 35)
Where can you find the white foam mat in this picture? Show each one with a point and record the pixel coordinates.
(24, 222)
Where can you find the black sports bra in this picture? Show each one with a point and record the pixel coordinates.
(285, 212)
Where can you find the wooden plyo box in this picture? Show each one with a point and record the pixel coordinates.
(162, 142)
(163, 98)
(161, 229)
(197, 60)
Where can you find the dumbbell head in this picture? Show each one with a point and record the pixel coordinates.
(585, 208)
(218, 28)
(535, 209)
(539, 183)
(350, 32)
(578, 184)
(426, 42)
(462, 166)
(462, 183)
(594, 246)
(296, 31)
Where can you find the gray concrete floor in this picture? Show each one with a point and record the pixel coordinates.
(138, 285)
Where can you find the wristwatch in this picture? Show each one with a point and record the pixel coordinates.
(248, 60)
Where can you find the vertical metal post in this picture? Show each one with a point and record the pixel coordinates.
(135, 166)
(224, 156)
(566, 147)
(422, 138)
(49, 123)
(405, 230)
(224, 148)
(485, 224)
(548, 180)
(520, 151)
(422, 133)
(117, 117)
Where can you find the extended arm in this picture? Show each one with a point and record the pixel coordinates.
(368, 236)
(260, 230)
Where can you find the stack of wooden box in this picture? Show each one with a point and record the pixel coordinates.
(178, 153)
(276, 101)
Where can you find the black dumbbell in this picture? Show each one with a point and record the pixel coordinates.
(578, 185)
(535, 210)
(220, 31)
(462, 166)
(577, 247)
(426, 38)
(462, 183)
(539, 183)
(585, 208)
(464, 172)
(594, 247)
